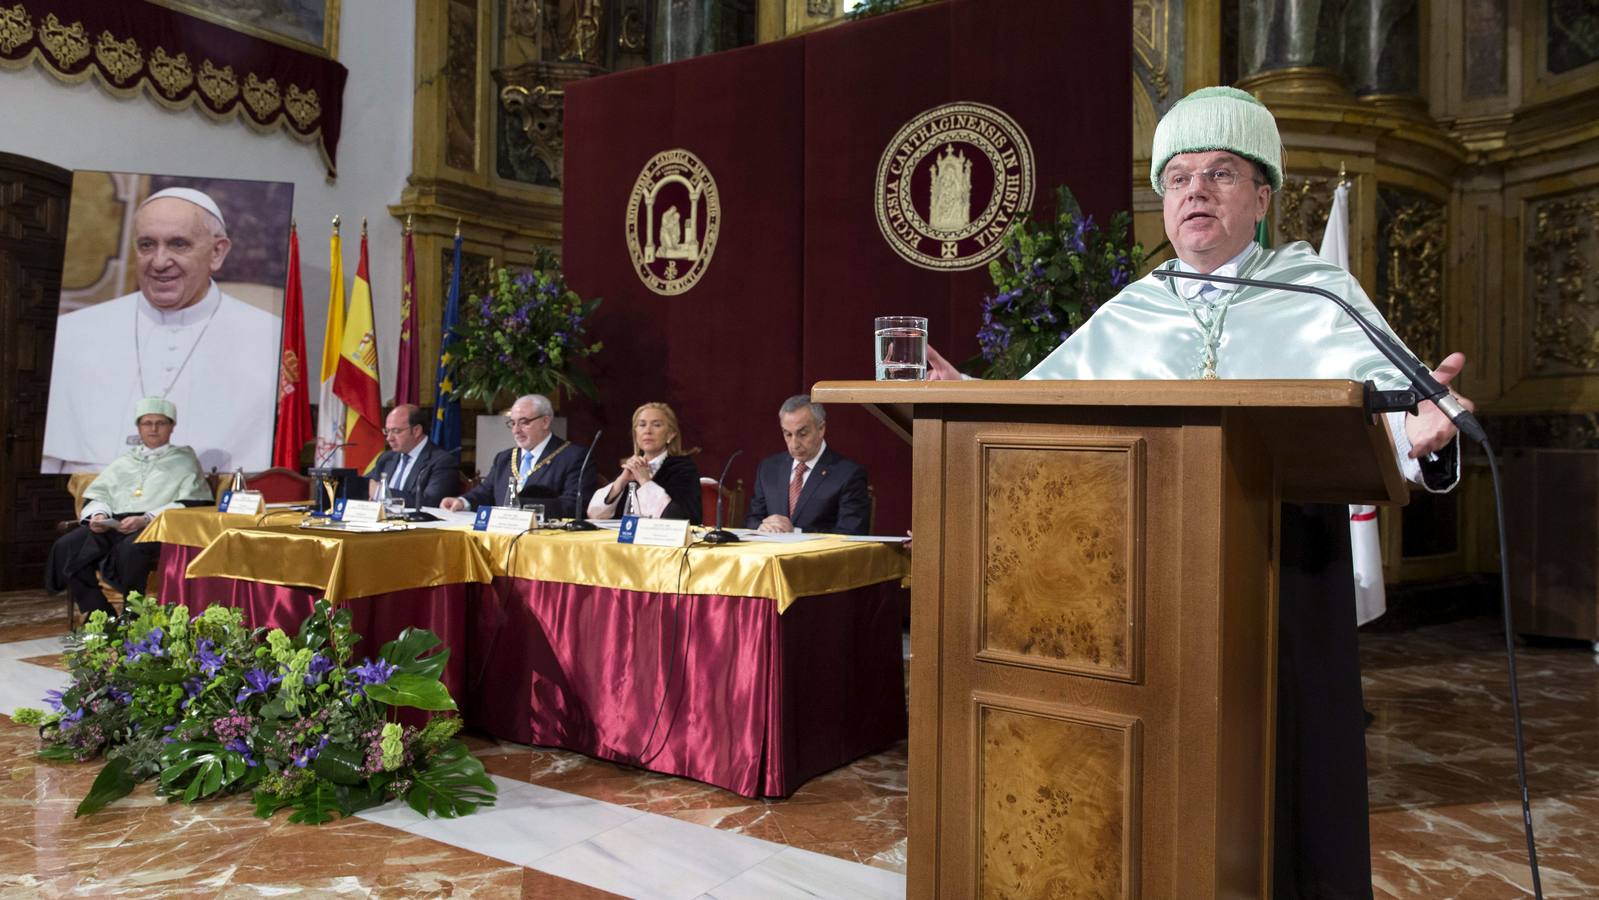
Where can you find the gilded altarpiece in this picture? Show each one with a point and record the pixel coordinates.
(1562, 285)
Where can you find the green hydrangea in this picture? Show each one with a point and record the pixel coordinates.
(392, 746)
(282, 648)
(27, 715)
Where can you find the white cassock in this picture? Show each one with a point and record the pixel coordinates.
(216, 360)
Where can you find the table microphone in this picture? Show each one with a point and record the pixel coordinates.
(329, 455)
(580, 520)
(721, 535)
(1418, 374)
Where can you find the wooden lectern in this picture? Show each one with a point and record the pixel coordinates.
(1094, 623)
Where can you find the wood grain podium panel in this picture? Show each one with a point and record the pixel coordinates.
(1058, 794)
(1093, 624)
(1061, 543)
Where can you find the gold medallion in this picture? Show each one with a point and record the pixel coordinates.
(673, 218)
(951, 183)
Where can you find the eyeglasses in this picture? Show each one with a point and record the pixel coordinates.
(399, 431)
(1220, 177)
(512, 423)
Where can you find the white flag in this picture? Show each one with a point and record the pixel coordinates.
(1365, 541)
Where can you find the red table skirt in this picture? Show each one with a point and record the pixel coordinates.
(716, 688)
(380, 619)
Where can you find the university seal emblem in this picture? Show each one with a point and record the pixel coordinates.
(950, 184)
(673, 216)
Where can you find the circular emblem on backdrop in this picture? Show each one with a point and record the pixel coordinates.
(673, 216)
(950, 184)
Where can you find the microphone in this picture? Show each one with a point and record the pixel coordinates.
(1418, 374)
(580, 520)
(721, 535)
(329, 455)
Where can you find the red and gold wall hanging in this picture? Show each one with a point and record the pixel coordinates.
(179, 61)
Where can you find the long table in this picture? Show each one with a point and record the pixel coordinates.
(752, 666)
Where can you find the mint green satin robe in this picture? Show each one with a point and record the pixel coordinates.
(1147, 331)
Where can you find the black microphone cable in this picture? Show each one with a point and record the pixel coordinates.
(644, 756)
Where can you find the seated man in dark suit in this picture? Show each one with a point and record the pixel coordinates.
(420, 472)
(809, 488)
(541, 468)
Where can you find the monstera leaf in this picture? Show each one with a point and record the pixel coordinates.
(199, 769)
(453, 784)
(406, 652)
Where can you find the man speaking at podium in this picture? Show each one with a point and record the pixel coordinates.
(1217, 157)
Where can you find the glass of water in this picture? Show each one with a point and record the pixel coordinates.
(901, 348)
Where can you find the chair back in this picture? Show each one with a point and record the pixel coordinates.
(280, 485)
(732, 503)
(77, 483)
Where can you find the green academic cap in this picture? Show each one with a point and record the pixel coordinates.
(1218, 118)
(155, 406)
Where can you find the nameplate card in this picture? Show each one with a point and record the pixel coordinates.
(248, 503)
(358, 512)
(653, 532)
(503, 520)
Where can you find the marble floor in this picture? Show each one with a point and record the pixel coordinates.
(1445, 819)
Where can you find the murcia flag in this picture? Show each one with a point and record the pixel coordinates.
(408, 377)
(356, 381)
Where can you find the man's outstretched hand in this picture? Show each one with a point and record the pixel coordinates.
(939, 368)
(1429, 429)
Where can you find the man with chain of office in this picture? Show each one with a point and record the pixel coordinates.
(542, 468)
(1216, 160)
(179, 338)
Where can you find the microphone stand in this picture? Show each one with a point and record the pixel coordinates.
(580, 520)
(721, 535)
(1418, 374)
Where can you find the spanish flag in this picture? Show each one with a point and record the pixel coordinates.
(356, 381)
(329, 408)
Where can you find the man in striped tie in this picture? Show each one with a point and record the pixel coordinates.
(811, 487)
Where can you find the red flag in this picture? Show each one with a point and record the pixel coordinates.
(356, 380)
(294, 402)
(408, 380)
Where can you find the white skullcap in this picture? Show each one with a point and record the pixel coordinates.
(198, 198)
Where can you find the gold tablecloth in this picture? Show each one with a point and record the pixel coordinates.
(270, 549)
(198, 526)
(779, 572)
(344, 564)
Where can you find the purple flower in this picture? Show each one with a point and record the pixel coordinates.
(210, 660)
(118, 695)
(71, 718)
(150, 646)
(375, 671)
(256, 681)
(238, 746)
(53, 699)
(320, 665)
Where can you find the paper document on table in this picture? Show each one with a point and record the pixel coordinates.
(877, 538)
(612, 524)
(779, 537)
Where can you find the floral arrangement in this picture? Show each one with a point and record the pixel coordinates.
(1049, 280)
(208, 708)
(523, 336)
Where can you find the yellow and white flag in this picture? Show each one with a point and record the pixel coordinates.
(330, 433)
(1365, 540)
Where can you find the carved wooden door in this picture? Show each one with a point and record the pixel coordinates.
(34, 197)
